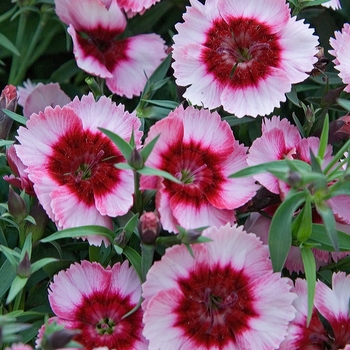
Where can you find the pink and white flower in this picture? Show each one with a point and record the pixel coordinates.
(125, 63)
(243, 55)
(94, 300)
(341, 52)
(333, 305)
(71, 162)
(226, 297)
(200, 150)
(282, 140)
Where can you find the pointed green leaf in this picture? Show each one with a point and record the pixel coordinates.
(156, 172)
(6, 143)
(147, 149)
(310, 274)
(305, 228)
(328, 219)
(320, 236)
(42, 263)
(16, 287)
(12, 256)
(163, 103)
(7, 44)
(278, 166)
(82, 231)
(122, 145)
(27, 247)
(123, 166)
(324, 138)
(280, 234)
(130, 226)
(17, 117)
(7, 275)
(134, 258)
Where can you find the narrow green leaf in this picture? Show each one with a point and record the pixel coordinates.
(280, 234)
(123, 166)
(17, 286)
(134, 258)
(18, 118)
(82, 231)
(276, 166)
(315, 165)
(7, 44)
(293, 96)
(130, 226)
(7, 275)
(12, 256)
(324, 138)
(305, 228)
(328, 219)
(319, 235)
(147, 149)
(122, 145)
(156, 172)
(27, 247)
(163, 103)
(147, 251)
(161, 71)
(42, 263)
(6, 143)
(310, 274)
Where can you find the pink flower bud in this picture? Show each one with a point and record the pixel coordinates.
(8, 100)
(149, 227)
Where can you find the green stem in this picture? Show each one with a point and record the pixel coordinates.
(138, 194)
(29, 52)
(16, 60)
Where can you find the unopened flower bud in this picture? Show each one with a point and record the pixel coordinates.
(136, 160)
(17, 207)
(322, 61)
(294, 179)
(149, 227)
(190, 236)
(23, 268)
(60, 339)
(41, 220)
(8, 100)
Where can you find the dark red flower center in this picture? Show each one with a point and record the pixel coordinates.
(84, 161)
(100, 320)
(216, 306)
(240, 52)
(198, 168)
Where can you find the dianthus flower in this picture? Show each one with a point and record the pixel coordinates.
(125, 63)
(282, 140)
(92, 299)
(133, 7)
(71, 162)
(243, 55)
(225, 297)
(341, 52)
(200, 150)
(332, 331)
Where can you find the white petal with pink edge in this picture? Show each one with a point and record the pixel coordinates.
(175, 264)
(145, 53)
(69, 287)
(44, 128)
(333, 303)
(243, 251)
(104, 113)
(159, 319)
(274, 13)
(69, 212)
(192, 215)
(260, 99)
(118, 200)
(90, 15)
(136, 5)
